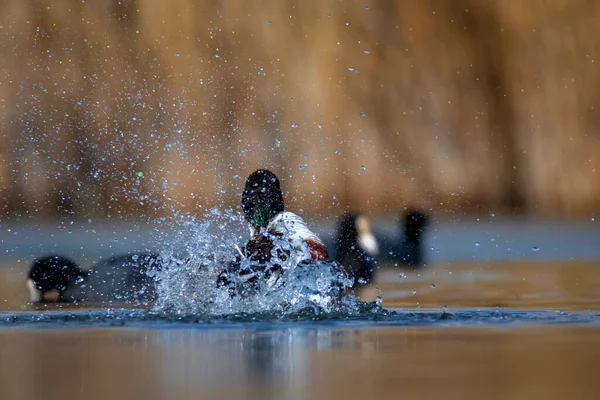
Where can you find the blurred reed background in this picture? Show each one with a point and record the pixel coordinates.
(125, 108)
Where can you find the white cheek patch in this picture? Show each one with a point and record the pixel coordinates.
(35, 294)
(368, 243)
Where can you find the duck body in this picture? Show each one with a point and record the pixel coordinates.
(285, 243)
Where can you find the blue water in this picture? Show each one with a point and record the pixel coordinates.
(485, 239)
(371, 316)
(468, 239)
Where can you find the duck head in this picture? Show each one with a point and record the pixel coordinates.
(262, 198)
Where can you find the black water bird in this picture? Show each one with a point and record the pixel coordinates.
(356, 247)
(53, 273)
(125, 278)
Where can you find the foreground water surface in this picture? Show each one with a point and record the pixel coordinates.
(529, 330)
(475, 327)
(550, 362)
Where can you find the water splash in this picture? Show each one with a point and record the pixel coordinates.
(199, 254)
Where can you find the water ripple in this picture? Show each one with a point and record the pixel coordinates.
(370, 316)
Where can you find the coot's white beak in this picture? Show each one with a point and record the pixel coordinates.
(35, 294)
(368, 243)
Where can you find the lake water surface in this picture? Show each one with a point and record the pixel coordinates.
(483, 327)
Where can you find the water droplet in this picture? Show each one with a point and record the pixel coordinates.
(277, 143)
(492, 215)
(378, 301)
(294, 125)
(176, 54)
(362, 281)
(89, 220)
(303, 167)
(363, 140)
(433, 285)
(366, 8)
(477, 244)
(593, 219)
(362, 114)
(292, 99)
(366, 52)
(269, 22)
(535, 248)
(351, 69)
(414, 291)
(402, 275)
(445, 308)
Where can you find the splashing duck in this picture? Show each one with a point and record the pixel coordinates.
(262, 203)
(277, 236)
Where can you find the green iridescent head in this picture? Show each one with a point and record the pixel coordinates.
(262, 198)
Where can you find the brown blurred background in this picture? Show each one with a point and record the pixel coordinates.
(119, 108)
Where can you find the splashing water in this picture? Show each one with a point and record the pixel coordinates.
(202, 250)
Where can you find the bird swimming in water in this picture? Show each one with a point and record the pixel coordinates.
(262, 203)
(358, 250)
(356, 247)
(52, 273)
(120, 278)
(277, 236)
